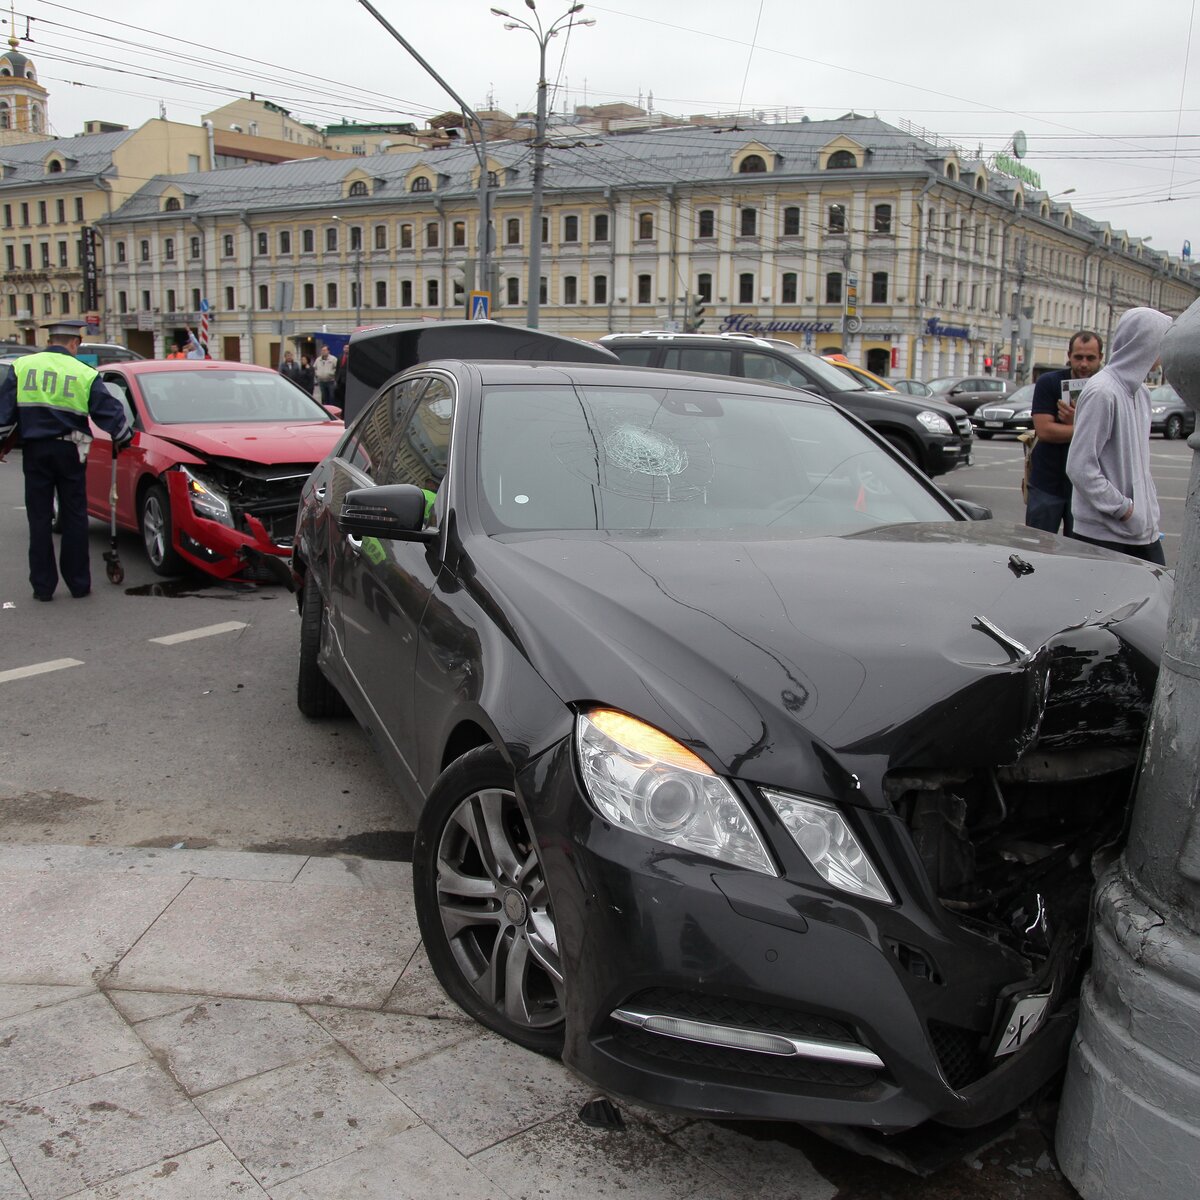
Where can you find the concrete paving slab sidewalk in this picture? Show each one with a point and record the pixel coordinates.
(191, 1024)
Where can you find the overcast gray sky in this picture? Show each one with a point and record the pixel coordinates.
(1106, 92)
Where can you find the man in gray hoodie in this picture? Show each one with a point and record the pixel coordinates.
(1114, 503)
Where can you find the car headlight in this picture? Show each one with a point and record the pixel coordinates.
(1024, 414)
(934, 422)
(1158, 409)
(207, 500)
(828, 842)
(644, 781)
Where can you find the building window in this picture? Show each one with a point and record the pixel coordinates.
(833, 287)
(545, 231)
(432, 235)
(27, 252)
(746, 288)
(406, 237)
(380, 237)
(24, 212)
(643, 289)
(704, 287)
(43, 216)
(958, 294)
(543, 290)
(120, 252)
(144, 250)
(310, 296)
(358, 188)
(420, 184)
(78, 208)
(47, 303)
(260, 243)
(380, 293)
(645, 226)
(168, 248)
(64, 302)
(600, 227)
(927, 294)
(227, 245)
(194, 248)
(942, 292)
(12, 305)
(355, 237)
(458, 233)
(195, 299)
(841, 160)
(431, 293)
(787, 290)
(170, 300)
(791, 221)
(406, 293)
(172, 204)
(879, 287)
(285, 241)
(706, 223)
(987, 298)
(570, 229)
(493, 179)
(752, 164)
(570, 289)
(331, 295)
(10, 253)
(883, 218)
(122, 302)
(599, 289)
(962, 235)
(60, 212)
(974, 294)
(749, 222)
(837, 218)
(512, 290)
(355, 302)
(230, 300)
(8, 216)
(264, 299)
(331, 238)
(512, 231)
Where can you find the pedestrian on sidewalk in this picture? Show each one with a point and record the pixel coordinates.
(1114, 502)
(1048, 505)
(290, 369)
(325, 372)
(192, 348)
(307, 379)
(48, 397)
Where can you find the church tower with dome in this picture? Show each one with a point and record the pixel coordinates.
(23, 111)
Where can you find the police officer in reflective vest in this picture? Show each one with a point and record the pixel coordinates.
(47, 397)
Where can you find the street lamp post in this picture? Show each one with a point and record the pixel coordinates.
(542, 36)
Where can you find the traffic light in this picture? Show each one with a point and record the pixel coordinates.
(695, 313)
(987, 364)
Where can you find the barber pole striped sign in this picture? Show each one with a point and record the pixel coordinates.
(204, 310)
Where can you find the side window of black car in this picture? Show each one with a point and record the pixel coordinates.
(634, 356)
(367, 449)
(420, 448)
(708, 361)
(770, 369)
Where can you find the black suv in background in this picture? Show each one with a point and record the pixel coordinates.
(931, 433)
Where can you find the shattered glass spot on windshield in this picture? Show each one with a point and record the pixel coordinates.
(644, 459)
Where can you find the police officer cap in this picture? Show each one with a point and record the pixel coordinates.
(65, 329)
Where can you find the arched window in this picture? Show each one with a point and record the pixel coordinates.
(493, 179)
(841, 160)
(951, 171)
(172, 204)
(358, 188)
(1018, 200)
(54, 166)
(5, 115)
(1045, 209)
(980, 183)
(753, 164)
(420, 184)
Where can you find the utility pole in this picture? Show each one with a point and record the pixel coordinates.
(1129, 1124)
(1018, 296)
(542, 35)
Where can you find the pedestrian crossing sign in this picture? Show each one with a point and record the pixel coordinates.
(480, 305)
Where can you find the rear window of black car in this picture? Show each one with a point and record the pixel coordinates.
(624, 458)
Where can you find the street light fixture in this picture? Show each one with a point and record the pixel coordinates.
(357, 271)
(542, 35)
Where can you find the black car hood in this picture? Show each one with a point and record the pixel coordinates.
(786, 661)
(910, 404)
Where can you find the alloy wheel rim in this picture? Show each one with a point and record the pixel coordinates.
(152, 530)
(495, 910)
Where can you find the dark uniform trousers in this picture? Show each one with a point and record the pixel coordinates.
(52, 465)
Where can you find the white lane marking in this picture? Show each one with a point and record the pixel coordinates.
(190, 635)
(55, 664)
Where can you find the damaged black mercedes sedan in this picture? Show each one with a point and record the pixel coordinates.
(755, 779)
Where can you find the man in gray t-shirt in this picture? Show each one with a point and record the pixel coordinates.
(1114, 502)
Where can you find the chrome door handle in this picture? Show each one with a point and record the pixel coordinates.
(320, 492)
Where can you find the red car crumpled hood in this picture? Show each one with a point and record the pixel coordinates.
(269, 442)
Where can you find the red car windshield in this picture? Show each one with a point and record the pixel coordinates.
(225, 397)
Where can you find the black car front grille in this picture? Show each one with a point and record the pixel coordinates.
(744, 1014)
(959, 1053)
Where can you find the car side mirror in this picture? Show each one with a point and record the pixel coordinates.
(973, 511)
(394, 512)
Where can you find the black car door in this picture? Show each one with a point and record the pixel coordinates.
(391, 581)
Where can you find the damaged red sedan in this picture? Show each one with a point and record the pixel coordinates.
(219, 455)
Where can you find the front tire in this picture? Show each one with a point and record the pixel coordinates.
(484, 907)
(157, 533)
(1173, 430)
(905, 447)
(315, 695)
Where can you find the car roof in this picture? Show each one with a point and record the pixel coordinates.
(507, 371)
(147, 365)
